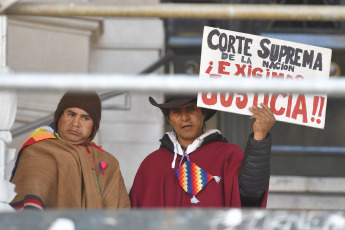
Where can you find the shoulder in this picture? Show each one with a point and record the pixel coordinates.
(56, 150)
(157, 159)
(224, 150)
(47, 146)
(159, 154)
(224, 146)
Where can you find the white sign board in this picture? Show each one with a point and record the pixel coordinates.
(232, 54)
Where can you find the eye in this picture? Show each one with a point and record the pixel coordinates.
(86, 118)
(175, 111)
(192, 108)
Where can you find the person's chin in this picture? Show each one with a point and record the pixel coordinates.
(73, 138)
(188, 134)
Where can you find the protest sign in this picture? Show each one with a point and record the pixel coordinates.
(232, 54)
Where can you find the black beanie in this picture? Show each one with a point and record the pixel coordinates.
(88, 101)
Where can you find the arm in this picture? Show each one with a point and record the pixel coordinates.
(254, 173)
(255, 169)
(32, 180)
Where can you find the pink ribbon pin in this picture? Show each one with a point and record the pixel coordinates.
(103, 167)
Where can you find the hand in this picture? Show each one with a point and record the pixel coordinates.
(264, 121)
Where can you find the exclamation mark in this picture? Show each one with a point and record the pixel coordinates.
(316, 106)
(321, 109)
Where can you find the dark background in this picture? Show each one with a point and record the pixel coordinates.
(297, 150)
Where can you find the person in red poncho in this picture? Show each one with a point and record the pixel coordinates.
(195, 167)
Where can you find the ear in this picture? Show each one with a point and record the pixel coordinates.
(167, 119)
(203, 122)
(203, 113)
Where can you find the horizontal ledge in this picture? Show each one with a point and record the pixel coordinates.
(300, 184)
(312, 150)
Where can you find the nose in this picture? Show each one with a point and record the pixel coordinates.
(75, 121)
(184, 115)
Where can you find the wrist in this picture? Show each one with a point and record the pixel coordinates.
(259, 136)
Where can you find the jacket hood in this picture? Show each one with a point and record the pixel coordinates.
(170, 142)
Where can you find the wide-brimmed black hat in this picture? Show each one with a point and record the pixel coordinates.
(176, 101)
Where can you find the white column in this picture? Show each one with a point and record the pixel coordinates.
(8, 108)
(3, 43)
(8, 101)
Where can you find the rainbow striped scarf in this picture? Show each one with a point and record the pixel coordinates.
(42, 133)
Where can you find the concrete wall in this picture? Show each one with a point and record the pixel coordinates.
(128, 46)
(176, 219)
(312, 193)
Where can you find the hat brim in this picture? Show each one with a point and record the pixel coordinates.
(180, 102)
(209, 113)
(173, 104)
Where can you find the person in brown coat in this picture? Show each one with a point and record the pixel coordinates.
(59, 167)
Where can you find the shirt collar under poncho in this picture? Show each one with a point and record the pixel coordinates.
(191, 148)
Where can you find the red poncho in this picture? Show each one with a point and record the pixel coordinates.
(156, 184)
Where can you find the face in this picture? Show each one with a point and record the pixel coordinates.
(75, 126)
(188, 122)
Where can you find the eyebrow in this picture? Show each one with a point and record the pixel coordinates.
(189, 106)
(71, 111)
(83, 115)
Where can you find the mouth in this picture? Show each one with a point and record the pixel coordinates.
(73, 132)
(186, 126)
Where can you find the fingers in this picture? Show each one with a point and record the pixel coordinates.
(267, 111)
(264, 111)
(264, 120)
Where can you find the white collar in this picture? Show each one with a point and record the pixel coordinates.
(192, 147)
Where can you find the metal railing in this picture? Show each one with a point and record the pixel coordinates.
(179, 84)
(175, 10)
